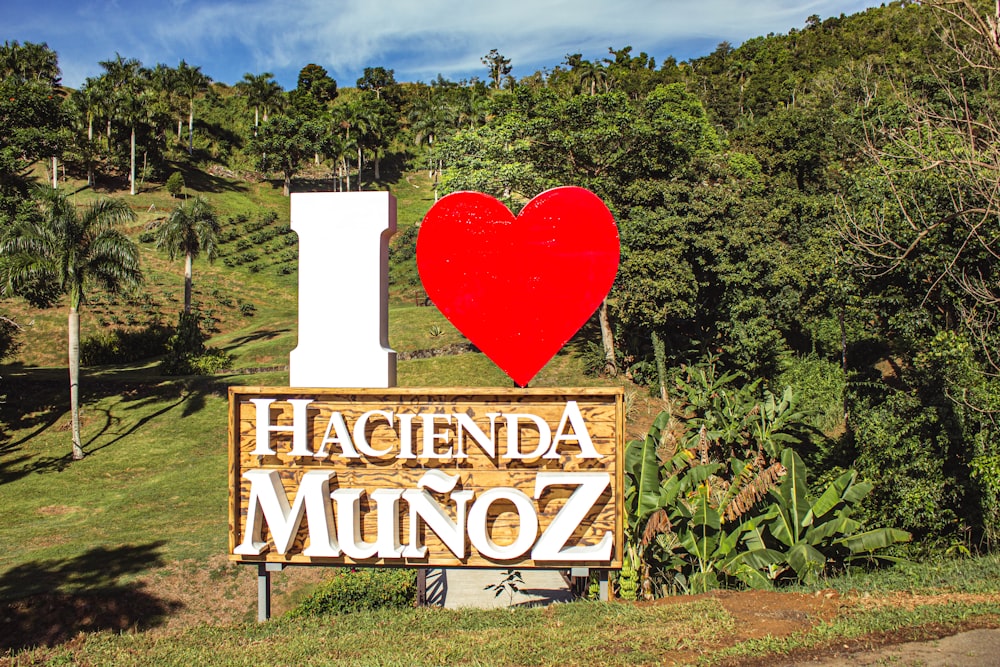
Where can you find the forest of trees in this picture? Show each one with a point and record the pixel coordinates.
(815, 209)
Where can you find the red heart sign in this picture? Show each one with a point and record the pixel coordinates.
(518, 288)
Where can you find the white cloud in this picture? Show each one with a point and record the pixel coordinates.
(417, 39)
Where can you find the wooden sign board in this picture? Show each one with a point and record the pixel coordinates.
(530, 478)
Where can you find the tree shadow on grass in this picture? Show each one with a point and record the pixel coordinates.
(47, 602)
(260, 334)
(38, 400)
(197, 181)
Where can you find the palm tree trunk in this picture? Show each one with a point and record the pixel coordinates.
(131, 177)
(90, 141)
(188, 260)
(74, 379)
(347, 172)
(660, 355)
(191, 129)
(180, 124)
(55, 173)
(608, 340)
(359, 169)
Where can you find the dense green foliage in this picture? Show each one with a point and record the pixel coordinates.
(717, 494)
(366, 589)
(186, 352)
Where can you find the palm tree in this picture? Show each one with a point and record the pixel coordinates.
(191, 81)
(431, 118)
(127, 80)
(262, 91)
(73, 251)
(164, 81)
(356, 117)
(191, 229)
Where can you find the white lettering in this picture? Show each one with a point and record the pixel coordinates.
(514, 436)
(527, 531)
(423, 506)
(268, 503)
(349, 524)
(430, 436)
(580, 434)
(406, 436)
(487, 443)
(552, 544)
(342, 438)
(300, 446)
(361, 439)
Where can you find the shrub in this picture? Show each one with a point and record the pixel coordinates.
(123, 346)
(175, 184)
(147, 237)
(247, 309)
(187, 353)
(361, 590)
(9, 332)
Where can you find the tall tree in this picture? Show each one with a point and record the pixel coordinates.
(74, 251)
(127, 79)
(283, 142)
(191, 82)
(192, 228)
(165, 81)
(30, 119)
(29, 62)
(377, 80)
(262, 93)
(498, 65)
(313, 92)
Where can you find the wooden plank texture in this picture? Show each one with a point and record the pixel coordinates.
(483, 458)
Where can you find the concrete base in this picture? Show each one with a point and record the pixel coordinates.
(455, 589)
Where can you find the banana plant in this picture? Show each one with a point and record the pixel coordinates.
(811, 533)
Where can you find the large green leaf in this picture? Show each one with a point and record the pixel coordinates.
(697, 475)
(831, 496)
(702, 582)
(704, 515)
(752, 530)
(794, 491)
(807, 561)
(782, 526)
(839, 525)
(871, 540)
(762, 558)
(699, 544)
(857, 493)
(643, 469)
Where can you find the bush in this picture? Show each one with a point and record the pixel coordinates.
(147, 237)
(247, 309)
(9, 332)
(123, 346)
(361, 590)
(187, 353)
(175, 184)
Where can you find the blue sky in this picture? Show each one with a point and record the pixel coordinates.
(418, 40)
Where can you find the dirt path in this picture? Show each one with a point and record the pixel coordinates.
(974, 648)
